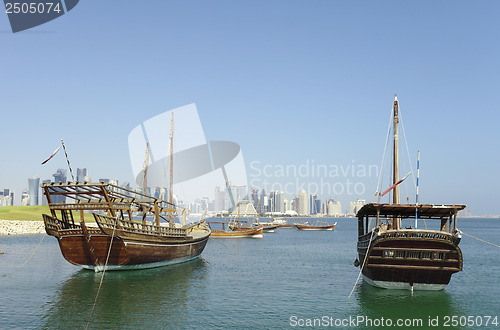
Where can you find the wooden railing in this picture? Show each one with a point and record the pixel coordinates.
(138, 227)
(90, 206)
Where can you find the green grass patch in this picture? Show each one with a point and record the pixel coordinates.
(34, 213)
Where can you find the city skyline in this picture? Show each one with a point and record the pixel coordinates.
(224, 199)
(275, 202)
(289, 82)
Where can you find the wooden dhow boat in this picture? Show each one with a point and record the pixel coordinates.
(235, 230)
(120, 242)
(318, 226)
(393, 256)
(269, 229)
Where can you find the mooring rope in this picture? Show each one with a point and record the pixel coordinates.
(364, 260)
(481, 240)
(32, 254)
(473, 277)
(102, 277)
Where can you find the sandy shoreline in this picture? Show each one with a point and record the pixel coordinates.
(17, 227)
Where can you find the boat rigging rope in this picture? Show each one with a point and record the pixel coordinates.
(102, 277)
(481, 240)
(364, 260)
(473, 277)
(32, 254)
(407, 150)
(381, 175)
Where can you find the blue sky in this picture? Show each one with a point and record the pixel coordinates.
(290, 81)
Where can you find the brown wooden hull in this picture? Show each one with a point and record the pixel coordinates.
(91, 251)
(269, 229)
(307, 227)
(413, 260)
(241, 233)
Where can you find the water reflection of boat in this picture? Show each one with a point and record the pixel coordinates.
(127, 299)
(374, 303)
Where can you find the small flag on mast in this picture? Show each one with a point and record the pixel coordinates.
(394, 185)
(53, 154)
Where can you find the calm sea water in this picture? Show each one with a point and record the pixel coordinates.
(288, 278)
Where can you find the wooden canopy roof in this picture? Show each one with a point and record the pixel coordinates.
(424, 211)
(102, 195)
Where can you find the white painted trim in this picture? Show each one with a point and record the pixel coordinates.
(404, 285)
(101, 268)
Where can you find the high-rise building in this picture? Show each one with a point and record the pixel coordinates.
(279, 197)
(302, 203)
(272, 201)
(163, 194)
(8, 196)
(34, 188)
(263, 201)
(295, 205)
(255, 198)
(59, 176)
(44, 198)
(314, 204)
(81, 173)
(25, 198)
(334, 208)
(355, 206)
(220, 196)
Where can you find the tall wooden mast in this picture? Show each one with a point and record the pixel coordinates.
(395, 177)
(395, 174)
(171, 188)
(145, 171)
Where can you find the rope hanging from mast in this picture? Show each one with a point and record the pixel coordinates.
(381, 175)
(171, 195)
(145, 170)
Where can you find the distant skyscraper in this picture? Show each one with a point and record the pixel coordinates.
(279, 197)
(25, 198)
(33, 186)
(302, 203)
(334, 209)
(263, 201)
(218, 200)
(5, 197)
(272, 201)
(59, 176)
(255, 199)
(80, 174)
(6, 194)
(315, 204)
(355, 206)
(44, 198)
(104, 180)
